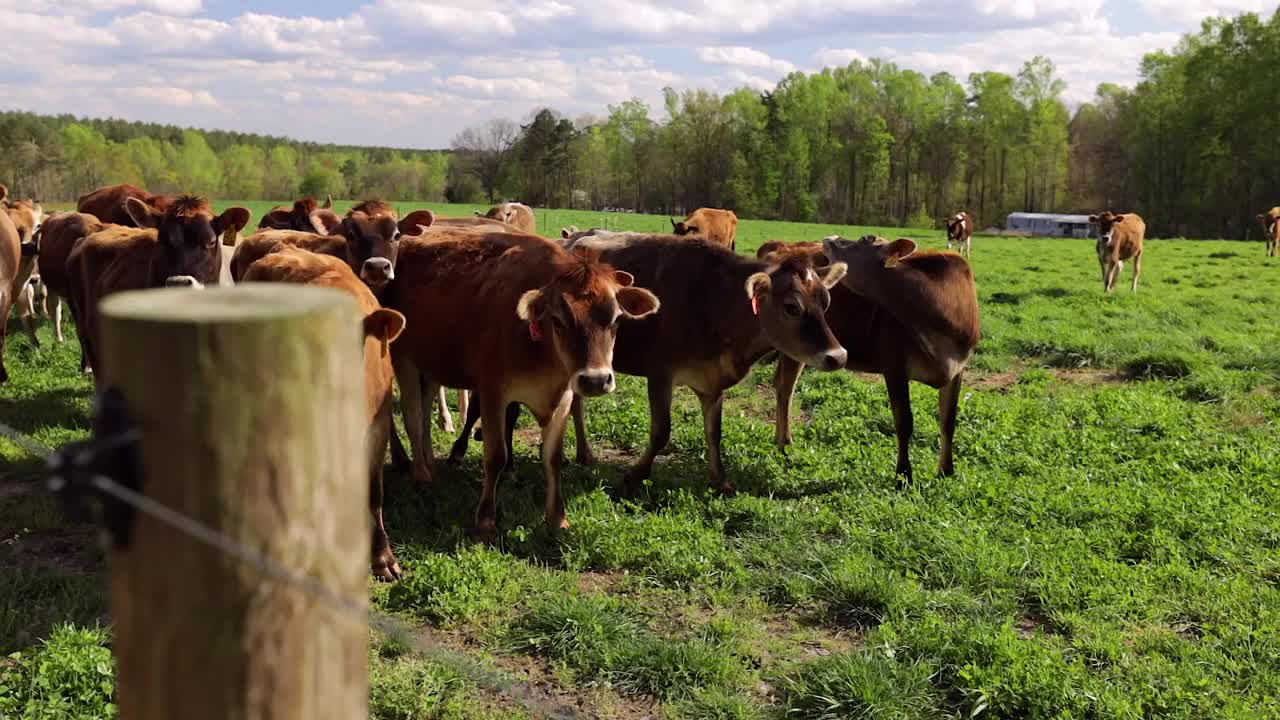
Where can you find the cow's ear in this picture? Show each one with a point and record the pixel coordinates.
(624, 278)
(531, 305)
(416, 221)
(325, 222)
(232, 218)
(1117, 218)
(896, 250)
(758, 285)
(276, 219)
(1262, 218)
(1093, 219)
(142, 214)
(4, 194)
(833, 274)
(637, 302)
(384, 324)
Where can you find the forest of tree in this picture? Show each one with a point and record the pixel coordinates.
(1191, 148)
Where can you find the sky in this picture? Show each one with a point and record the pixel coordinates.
(414, 73)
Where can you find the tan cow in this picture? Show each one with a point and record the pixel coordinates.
(718, 226)
(548, 319)
(906, 315)
(1271, 225)
(59, 235)
(1119, 238)
(381, 327)
(108, 204)
(518, 215)
(305, 215)
(176, 247)
(17, 260)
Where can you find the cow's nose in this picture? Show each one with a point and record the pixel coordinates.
(834, 359)
(377, 270)
(594, 382)
(185, 281)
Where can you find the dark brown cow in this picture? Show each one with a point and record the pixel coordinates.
(305, 216)
(1271, 225)
(902, 314)
(718, 226)
(381, 327)
(1120, 238)
(960, 232)
(59, 235)
(177, 247)
(517, 215)
(108, 204)
(727, 312)
(17, 259)
(548, 319)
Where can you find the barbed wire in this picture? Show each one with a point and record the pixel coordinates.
(419, 640)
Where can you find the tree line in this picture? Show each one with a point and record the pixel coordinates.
(1191, 148)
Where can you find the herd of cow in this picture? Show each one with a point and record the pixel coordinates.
(508, 318)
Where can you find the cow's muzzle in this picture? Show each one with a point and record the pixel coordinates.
(377, 272)
(185, 281)
(594, 382)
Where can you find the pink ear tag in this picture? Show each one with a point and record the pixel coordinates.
(755, 304)
(535, 331)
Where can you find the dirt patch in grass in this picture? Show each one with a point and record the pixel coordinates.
(70, 551)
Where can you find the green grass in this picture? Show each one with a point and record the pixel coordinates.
(1110, 547)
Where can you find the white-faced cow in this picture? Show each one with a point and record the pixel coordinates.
(1271, 230)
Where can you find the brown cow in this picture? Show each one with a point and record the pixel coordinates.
(1271, 224)
(17, 259)
(304, 216)
(902, 314)
(177, 247)
(727, 312)
(368, 244)
(108, 204)
(1119, 238)
(26, 215)
(960, 233)
(381, 327)
(718, 226)
(481, 224)
(549, 318)
(59, 234)
(518, 215)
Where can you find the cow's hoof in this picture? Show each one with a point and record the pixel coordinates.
(484, 534)
(386, 569)
(558, 522)
(725, 488)
(424, 477)
(586, 458)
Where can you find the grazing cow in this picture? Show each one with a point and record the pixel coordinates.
(1271, 224)
(305, 216)
(176, 247)
(718, 226)
(960, 233)
(1119, 238)
(727, 312)
(902, 314)
(381, 327)
(518, 215)
(549, 318)
(59, 234)
(108, 204)
(17, 259)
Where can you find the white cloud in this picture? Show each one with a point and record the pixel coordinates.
(175, 96)
(838, 57)
(744, 57)
(91, 7)
(1191, 12)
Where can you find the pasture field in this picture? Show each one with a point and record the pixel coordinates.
(1109, 547)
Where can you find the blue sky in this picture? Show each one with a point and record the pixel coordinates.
(413, 73)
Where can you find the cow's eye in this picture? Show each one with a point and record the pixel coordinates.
(793, 309)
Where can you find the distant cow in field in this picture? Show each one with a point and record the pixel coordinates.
(1271, 226)
(304, 216)
(903, 314)
(17, 260)
(108, 204)
(381, 327)
(175, 247)
(717, 226)
(59, 235)
(960, 233)
(518, 319)
(1120, 238)
(725, 313)
(518, 215)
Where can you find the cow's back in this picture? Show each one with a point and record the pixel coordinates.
(251, 249)
(1129, 236)
(108, 203)
(717, 226)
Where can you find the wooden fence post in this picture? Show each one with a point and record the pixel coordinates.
(250, 407)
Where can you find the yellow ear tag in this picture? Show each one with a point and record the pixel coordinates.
(891, 262)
